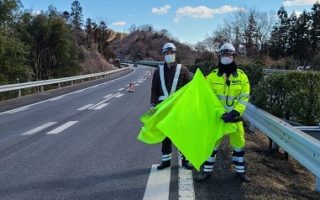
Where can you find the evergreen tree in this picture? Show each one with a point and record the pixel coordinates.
(280, 35)
(76, 15)
(89, 31)
(251, 37)
(301, 44)
(315, 30)
(292, 35)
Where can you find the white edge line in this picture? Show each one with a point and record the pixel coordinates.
(16, 110)
(185, 183)
(158, 184)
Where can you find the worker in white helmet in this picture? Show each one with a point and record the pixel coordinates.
(168, 78)
(232, 87)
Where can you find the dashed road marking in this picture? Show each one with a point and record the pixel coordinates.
(101, 102)
(120, 89)
(158, 184)
(107, 96)
(85, 107)
(119, 95)
(137, 84)
(62, 127)
(40, 128)
(101, 106)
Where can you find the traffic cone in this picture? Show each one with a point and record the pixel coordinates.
(131, 87)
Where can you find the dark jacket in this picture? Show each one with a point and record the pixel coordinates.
(156, 90)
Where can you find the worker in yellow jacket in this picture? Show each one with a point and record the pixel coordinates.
(232, 87)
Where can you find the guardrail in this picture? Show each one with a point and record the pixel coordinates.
(299, 145)
(148, 63)
(20, 86)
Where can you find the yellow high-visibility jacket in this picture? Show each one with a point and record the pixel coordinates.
(233, 91)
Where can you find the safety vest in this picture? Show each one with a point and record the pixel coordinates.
(163, 84)
(233, 91)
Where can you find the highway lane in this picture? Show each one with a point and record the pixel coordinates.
(64, 149)
(82, 145)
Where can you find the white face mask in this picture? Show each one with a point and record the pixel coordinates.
(170, 58)
(226, 60)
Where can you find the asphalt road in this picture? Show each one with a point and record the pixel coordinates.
(61, 149)
(81, 143)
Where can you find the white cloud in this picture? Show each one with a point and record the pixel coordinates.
(289, 3)
(298, 13)
(162, 10)
(204, 12)
(35, 12)
(121, 23)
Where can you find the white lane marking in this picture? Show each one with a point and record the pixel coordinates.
(120, 89)
(136, 84)
(158, 184)
(107, 96)
(17, 110)
(140, 82)
(78, 91)
(62, 127)
(185, 184)
(40, 128)
(101, 106)
(119, 95)
(101, 102)
(85, 107)
(56, 98)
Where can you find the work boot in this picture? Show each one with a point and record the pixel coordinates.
(243, 177)
(186, 164)
(164, 165)
(202, 176)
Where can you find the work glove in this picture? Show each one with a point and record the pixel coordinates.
(232, 116)
(152, 109)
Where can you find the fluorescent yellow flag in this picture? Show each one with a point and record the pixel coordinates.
(191, 119)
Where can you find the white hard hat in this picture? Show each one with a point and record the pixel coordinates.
(227, 48)
(169, 47)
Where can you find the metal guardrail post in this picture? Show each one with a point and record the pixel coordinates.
(59, 85)
(42, 88)
(19, 93)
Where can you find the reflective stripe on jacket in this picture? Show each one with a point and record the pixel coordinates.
(163, 83)
(169, 80)
(233, 91)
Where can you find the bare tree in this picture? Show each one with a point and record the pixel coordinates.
(242, 28)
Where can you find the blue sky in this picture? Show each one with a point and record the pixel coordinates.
(187, 20)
